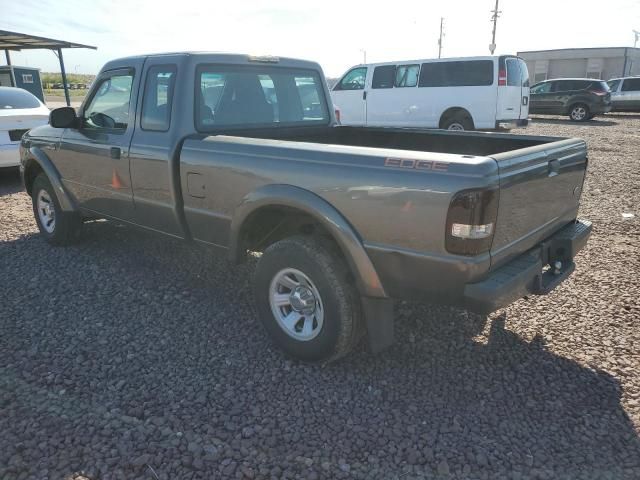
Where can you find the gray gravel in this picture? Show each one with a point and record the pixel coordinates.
(129, 356)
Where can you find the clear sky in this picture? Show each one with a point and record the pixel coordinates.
(334, 33)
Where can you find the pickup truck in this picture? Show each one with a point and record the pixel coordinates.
(244, 154)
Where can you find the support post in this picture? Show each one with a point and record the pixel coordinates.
(64, 78)
(12, 74)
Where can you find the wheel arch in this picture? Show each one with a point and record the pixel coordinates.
(38, 162)
(301, 202)
(453, 111)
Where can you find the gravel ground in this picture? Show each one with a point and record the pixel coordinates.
(132, 356)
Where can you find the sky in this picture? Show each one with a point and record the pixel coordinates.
(334, 33)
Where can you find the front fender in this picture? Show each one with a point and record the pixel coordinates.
(36, 156)
(349, 242)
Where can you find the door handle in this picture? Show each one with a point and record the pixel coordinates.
(364, 95)
(115, 153)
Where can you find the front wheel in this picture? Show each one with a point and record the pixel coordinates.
(579, 113)
(306, 299)
(57, 227)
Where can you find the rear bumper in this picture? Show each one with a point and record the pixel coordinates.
(509, 124)
(526, 275)
(10, 155)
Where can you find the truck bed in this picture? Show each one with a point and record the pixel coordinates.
(437, 141)
(391, 205)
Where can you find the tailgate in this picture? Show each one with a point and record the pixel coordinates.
(540, 190)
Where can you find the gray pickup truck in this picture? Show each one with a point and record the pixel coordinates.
(244, 154)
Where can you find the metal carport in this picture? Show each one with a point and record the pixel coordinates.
(22, 41)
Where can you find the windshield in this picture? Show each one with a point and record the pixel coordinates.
(258, 96)
(15, 98)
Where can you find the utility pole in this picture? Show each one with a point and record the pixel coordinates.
(440, 39)
(636, 33)
(364, 55)
(494, 18)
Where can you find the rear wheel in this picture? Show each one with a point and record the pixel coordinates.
(57, 227)
(579, 112)
(306, 300)
(457, 122)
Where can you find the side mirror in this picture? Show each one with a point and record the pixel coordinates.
(64, 117)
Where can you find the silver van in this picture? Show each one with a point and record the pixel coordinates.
(625, 94)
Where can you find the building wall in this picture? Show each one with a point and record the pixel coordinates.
(603, 62)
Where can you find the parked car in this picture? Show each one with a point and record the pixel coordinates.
(347, 218)
(580, 98)
(625, 94)
(20, 110)
(455, 94)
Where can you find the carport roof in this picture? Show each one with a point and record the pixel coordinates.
(23, 41)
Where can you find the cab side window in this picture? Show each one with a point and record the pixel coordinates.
(158, 98)
(353, 80)
(109, 107)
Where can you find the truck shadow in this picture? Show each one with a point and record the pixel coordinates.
(589, 123)
(624, 115)
(488, 407)
(9, 181)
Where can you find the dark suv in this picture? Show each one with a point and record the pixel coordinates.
(580, 98)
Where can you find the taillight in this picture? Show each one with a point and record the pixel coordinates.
(502, 78)
(337, 115)
(471, 221)
(600, 93)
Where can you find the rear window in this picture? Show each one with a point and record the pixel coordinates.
(15, 98)
(457, 74)
(600, 86)
(158, 98)
(514, 77)
(229, 95)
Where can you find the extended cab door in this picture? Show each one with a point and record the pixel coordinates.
(350, 97)
(154, 146)
(94, 157)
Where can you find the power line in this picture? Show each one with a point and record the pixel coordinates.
(494, 18)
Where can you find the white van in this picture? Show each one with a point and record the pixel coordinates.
(453, 93)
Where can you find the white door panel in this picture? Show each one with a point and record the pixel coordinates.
(352, 106)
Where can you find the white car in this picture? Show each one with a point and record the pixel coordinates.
(453, 93)
(20, 111)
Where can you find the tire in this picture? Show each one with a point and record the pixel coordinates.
(579, 112)
(458, 122)
(57, 227)
(334, 326)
